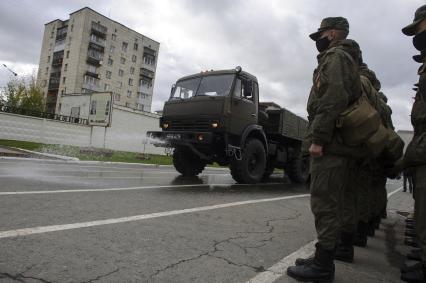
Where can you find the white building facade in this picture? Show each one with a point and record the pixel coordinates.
(92, 53)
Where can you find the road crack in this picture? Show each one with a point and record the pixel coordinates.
(231, 240)
(103, 276)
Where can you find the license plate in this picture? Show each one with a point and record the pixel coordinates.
(173, 136)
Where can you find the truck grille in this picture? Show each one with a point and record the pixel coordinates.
(197, 125)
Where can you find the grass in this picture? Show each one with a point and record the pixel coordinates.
(90, 154)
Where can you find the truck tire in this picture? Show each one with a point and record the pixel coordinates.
(297, 170)
(251, 168)
(187, 163)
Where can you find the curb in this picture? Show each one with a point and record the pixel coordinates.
(57, 156)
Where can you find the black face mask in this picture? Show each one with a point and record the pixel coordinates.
(322, 43)
(419, 41)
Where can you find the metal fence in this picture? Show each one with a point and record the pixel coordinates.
(51, 116)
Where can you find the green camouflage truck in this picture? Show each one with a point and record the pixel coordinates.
(216, 116)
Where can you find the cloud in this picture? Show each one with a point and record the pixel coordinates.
(267, 38)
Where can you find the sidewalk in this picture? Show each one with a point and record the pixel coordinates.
(381, 260)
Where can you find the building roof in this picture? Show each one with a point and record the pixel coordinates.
(88, 8)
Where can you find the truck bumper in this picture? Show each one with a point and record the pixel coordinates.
(172, 138)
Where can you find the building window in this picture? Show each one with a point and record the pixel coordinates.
(46, 71)
(108, 74)
(48, 59)
(44, 83)
(122, 60)
(130, 82)
(146, 83)
(134, 58)
(65, 67)
(135, 46)
(106, 87)
(120, 72)
(119, 84)
(128, 104)
(114, 37)
(63, 80)
(112, 49)
(139, 106)
(124, 46)
(110, 61)
(129, 93)
(142, 95)
(89, 80)
(68, 54)
(149, 56)
(117, 96)
(132, 70)
(72, 27)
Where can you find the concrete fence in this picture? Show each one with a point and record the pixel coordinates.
(127, 132)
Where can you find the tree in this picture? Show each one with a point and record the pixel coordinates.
(24, 94)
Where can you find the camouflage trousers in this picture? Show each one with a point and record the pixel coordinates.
(419, 181)
(351, 199)
(378, 196)
(363, 183)
(329, 174)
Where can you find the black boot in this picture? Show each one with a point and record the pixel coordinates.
(415, 276)
(406, 267)
(411, 242)
(371, 229)
(321, 269)
(360, 239)
(414, 255)
(345, 249)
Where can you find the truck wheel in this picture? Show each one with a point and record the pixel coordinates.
(298, 170)
(251, 167)
(187, 163)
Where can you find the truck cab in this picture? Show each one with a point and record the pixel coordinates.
(216, 116)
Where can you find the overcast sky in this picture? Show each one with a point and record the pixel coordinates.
(267, 38)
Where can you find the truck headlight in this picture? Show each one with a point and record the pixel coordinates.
(215, 125)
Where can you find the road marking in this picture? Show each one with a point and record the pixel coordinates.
(280, 268)
(53, 228)
(128, 189)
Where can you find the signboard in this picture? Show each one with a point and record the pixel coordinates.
(100, 109)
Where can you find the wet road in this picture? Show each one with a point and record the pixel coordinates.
(83, 222)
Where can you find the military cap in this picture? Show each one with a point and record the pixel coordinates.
(419, 57)
(339, 23)
(419, 16)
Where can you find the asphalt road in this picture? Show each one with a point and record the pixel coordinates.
(82, 222)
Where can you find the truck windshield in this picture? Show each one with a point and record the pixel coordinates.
(217, 85)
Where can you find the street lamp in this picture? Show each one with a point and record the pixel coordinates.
(15, 74)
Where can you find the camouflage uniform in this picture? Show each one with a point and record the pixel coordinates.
(415, 155)
(336, 84)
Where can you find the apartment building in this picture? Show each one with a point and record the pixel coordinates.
(89, 53)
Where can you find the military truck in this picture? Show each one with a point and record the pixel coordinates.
(216, 116)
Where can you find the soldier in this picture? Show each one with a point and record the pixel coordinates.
(336, 84)
(415, 155)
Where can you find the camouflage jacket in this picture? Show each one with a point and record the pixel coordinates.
(336, 84)
(415, 154)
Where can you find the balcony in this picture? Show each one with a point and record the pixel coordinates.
(94, 57)
(54, 83)
(144, 88)
(99, 29)
(92, 87)
(91, 74)
(97, 40)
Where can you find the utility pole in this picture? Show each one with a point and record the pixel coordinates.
(15, 74)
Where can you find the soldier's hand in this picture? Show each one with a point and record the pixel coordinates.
(315, 150)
